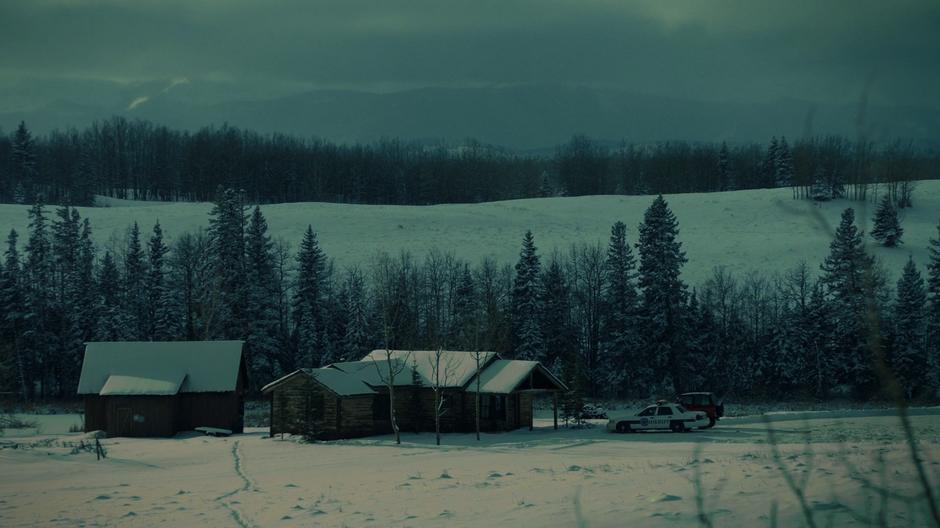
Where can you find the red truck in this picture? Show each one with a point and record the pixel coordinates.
(705, 402)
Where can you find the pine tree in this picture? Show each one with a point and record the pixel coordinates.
(23, 157)
(465, 320)
(334, 316)
(13, 318)
(135, 286)
(75, 311)
(784, 165)
(557, 328)
(309, 294)
(702, 368)
(83, 304)
(261, 307)
(820, 190)
(161, 309)
(545, 188)
(933, 310)
(769, 165)
(620, 340)
(67, 309)
(909, 354)
(39, 290)
(227, 238)
(664, 293)
(113, 321)
(357, 340)
(887, 228)
(848, 276)
(526, 303)
(726, 180)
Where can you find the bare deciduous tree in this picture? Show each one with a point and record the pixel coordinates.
(442, 371)
(393, 366)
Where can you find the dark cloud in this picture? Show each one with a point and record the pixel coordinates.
(740, 50)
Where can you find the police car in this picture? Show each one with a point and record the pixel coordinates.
(663, 415)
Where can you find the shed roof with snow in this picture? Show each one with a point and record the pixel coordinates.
(341, 383)
(160, 367)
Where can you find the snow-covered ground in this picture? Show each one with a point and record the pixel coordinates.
(761, 230)
(538, 478)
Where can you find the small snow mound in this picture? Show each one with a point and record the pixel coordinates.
(828, 506)
(666, 498)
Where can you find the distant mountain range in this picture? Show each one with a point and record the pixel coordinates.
(520, 117)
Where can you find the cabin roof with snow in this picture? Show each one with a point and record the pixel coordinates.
(339, 382)
(160, 368)
(504, 376)
(497, 376)
(460, 366)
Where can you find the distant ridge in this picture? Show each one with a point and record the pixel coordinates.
(529, 118)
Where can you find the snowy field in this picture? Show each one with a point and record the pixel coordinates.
(538, 478)
(761, 230)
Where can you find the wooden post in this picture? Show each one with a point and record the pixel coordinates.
(531, 410)
(555, 407)
(271, 417)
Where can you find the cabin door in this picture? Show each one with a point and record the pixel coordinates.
(123, 425)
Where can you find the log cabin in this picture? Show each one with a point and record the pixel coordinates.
(161, 388)
(351, 399)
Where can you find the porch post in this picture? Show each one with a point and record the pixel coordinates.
(555, 407)
(531, 411)
(271, 417)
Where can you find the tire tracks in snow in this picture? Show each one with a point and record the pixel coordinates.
(247, 485)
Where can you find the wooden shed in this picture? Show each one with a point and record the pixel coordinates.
(321, 403)
(160, 388)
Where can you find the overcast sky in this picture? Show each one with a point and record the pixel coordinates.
(736, 50)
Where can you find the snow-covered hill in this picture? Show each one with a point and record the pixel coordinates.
(762, 230)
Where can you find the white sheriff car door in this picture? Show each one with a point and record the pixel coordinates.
(646, 419)
(664, 415)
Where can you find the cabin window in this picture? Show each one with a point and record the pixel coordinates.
(380, 406)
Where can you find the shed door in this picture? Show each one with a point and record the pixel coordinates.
(123, 425)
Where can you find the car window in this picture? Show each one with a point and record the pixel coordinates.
(649, 411)
(681, 409)
(664, 411)
(703, 399)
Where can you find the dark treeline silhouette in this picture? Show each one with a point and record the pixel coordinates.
(138, 159)
(614, 320)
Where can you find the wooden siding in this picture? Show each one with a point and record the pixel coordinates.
(332, 416)
(415, 411)
(365, 415)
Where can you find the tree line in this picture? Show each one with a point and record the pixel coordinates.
(141, 160)
(613, 320)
